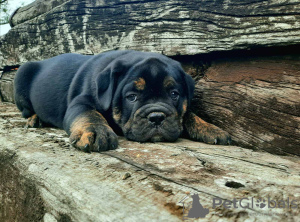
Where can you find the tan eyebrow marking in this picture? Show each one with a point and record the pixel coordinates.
(117, 114)
(169, 82)
(140, 84)
(184, 107)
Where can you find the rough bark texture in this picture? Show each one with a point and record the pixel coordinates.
(7, 86)
(168, 26)
(255, 98)
(19, 195)
(33, 10)
(43, 177)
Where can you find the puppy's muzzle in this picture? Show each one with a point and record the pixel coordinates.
(154, 122)
(155, 112)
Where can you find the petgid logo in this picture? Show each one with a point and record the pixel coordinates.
(252, 203)
(192, 207)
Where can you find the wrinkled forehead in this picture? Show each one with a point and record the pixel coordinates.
(154, 74)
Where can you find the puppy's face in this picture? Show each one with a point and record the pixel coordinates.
(152, 101)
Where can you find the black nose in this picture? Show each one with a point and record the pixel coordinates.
(157, 118)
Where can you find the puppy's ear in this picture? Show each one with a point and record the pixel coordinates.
(190, 87)
(106, 83)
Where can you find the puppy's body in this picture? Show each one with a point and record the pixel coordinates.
(44, 87)
(146, 95)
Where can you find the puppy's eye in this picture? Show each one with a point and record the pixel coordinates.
(131, 97)
(174, 95)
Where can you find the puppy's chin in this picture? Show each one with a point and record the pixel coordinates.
(157, 138)
(153, 135)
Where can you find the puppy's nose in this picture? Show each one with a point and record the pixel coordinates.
(157, 118)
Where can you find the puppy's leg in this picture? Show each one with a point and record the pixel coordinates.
(33, 122)
(89, 131)
(200, 130)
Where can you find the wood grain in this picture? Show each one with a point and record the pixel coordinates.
(256, 99)
(47, 28)
(67, 183)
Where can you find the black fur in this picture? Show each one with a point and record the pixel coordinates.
(62, 88)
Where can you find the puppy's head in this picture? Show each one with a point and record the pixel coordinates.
(151, 99)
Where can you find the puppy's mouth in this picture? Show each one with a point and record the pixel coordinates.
(155, 123)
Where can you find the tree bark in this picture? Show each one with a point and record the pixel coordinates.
(256, 99)
(42, 176)
(171, 27)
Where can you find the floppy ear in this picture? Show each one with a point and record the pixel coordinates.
(106, 83)
(190, 87)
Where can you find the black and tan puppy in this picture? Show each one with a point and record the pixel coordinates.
(143, 95)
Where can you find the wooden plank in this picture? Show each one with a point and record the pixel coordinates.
(33, 10)
(256, 99)
(140, 181)
(7, 86)
(171, 27)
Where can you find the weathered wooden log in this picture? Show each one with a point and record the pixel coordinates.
(171, 27)
(7, 86)
(33, 10)
(42, 177)
(256, 99)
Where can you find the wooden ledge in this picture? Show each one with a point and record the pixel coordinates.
(44, 178)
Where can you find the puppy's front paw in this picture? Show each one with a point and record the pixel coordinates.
(202, 131)
(88, 135)
(95, 138)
